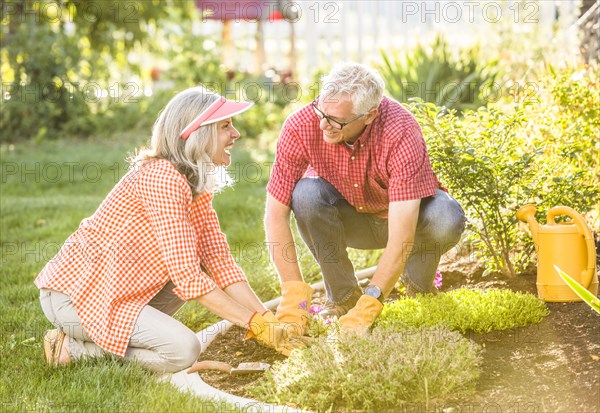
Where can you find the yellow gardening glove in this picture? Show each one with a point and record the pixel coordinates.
(267, 315)
(295, 302)
(275, 335)
(362, 316)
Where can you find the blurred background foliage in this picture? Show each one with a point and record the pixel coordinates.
(432, 73)
(80, 69)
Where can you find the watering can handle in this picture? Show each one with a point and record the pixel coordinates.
(584, 230)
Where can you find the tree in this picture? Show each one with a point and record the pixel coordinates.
(58, 58)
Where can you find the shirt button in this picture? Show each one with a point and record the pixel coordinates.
(356, 185)
(352, 158)
(360, 208)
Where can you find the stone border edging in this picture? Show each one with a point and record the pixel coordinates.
(193, 383)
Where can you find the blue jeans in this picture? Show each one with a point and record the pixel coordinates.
(328, 225)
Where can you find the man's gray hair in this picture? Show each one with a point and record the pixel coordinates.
(362, 83)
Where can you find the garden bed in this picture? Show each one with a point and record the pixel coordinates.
(551, 366)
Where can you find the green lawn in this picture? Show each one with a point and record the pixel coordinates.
(46, 189)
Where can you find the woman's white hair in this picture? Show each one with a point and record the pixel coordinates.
(362, 83)
(192, 157)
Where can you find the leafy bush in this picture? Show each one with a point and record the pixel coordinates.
(42, 99)
(488, 166)
(480, 311)
(382, 371)
(432, 74)
(565, 124)
(54, 62)
(271, 97)
(544, 150)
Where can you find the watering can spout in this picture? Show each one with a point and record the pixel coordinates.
(527, 214)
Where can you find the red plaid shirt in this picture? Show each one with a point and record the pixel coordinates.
(388, 163)
(148, 230)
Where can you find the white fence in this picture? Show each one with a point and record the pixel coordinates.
(329, 31)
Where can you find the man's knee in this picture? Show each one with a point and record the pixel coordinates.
(447, 221)
(451, 227)
(309, 198)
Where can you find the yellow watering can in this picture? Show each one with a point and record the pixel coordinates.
(568, 245)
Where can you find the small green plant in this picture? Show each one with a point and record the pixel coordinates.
(480, 311)
(379, 372)
(316, 325)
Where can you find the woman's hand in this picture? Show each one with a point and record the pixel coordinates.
(275, 335)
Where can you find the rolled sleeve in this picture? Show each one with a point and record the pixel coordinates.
(167, 198)
(191, 286)
(291, 162)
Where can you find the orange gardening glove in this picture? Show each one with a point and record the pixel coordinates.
(294, 305)
(267, 315)
(275, 335)
(362, 316)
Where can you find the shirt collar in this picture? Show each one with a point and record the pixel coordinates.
(364, 136)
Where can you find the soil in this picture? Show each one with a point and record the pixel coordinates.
(553, 366)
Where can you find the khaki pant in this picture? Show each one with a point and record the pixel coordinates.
(159, 342)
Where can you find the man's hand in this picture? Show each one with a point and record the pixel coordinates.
(362, 316)
(295, 302)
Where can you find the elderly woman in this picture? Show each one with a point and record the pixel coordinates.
(153, 244)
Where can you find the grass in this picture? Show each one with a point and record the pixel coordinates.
(480, 311)
(46, 190)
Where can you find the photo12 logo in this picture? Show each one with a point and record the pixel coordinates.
(469, 11)
(71, 11)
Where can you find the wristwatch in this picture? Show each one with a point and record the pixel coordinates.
(374, 291)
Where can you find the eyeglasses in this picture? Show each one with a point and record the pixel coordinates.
(332, 122)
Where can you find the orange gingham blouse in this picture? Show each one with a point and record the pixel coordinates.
(148, 230)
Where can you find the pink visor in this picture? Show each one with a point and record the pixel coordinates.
(220, 109)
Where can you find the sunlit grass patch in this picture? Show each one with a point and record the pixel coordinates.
(480, 311)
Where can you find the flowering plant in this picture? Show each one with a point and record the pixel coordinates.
(437, 281)
(316, 326)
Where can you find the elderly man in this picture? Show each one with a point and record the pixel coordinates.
(354, 169)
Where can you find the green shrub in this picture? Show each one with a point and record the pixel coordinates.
(379, 372)
(488, 166)
(54, 62)
(434, 75)
(544, 150)
(465, 310)
(42, 97)
(565, 124)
